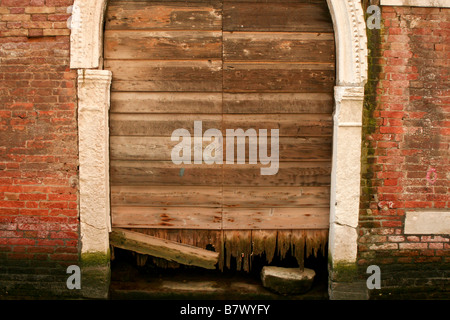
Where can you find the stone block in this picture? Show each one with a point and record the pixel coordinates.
(287, 281)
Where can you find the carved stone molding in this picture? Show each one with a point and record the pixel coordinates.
(86, 38)
(351, 42)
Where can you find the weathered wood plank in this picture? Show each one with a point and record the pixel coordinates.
(298, 17)
(275, 218)
(277, 77)
(160, 124)
(169, 250)
(159, 196)
(209, 218)
(165, 75)
(202, 238)
(160, 15)
(166, 102)
(263, 197)
(135, 173)
(167, 217)
(294, 47)
(198, 102)
(160, 148)
(269, 103)
(212, 196)
(289, 125)
(168, 45)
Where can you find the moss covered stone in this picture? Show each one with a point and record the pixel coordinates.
(95, 275)
(91, 259)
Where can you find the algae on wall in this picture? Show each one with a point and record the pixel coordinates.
(370, 123)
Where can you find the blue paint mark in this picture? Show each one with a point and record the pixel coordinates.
(181, 172)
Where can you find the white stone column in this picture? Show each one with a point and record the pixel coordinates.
(346, 173)
(93, 131)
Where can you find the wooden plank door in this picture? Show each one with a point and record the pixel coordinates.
(230, 64)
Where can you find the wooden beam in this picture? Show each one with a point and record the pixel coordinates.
(166, 249)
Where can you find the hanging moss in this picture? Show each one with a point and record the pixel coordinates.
(239, 248)
(237, 245)
(264, 242)
(298, 243)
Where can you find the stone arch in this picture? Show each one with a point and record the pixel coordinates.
(93, 92)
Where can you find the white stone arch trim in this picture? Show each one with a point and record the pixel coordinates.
(351, 42)
(351, 48)
(86, 38)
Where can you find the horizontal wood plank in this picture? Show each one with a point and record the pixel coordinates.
(171, 196)
(165, 45)
(135, 173)
(166, 102)
(275, 46)
(298, 17)
(167, 217)
(144, 75)
(202, 102)
(268, 197)
(160, 124)
(210, 196)
(277, 103)
(275, 218)
(211, 218)
(289, 125)
(164, 15)
(276, 77)
(160, 148)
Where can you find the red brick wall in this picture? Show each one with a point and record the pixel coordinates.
(38, 139)
(406, 135)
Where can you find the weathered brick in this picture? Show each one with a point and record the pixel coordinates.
(40, 9)
(413, 245)
(16, 17)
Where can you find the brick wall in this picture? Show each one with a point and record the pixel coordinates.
(38, 147)
(406, 146)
